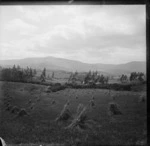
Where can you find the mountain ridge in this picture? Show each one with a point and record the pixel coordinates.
(54, 63)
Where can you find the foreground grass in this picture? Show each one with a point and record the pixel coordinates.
(40, 126)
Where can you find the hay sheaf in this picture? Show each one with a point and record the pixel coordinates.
(79, 120)
(32, 106)
(48, 89)
(65, 114)
(92, 103)
(6, 103)
(22, 112)
(38, 99)
(2, 142)
(15, 110)
(68, 102)
(79, 108)
(114, 109)
(142, 98)
(93, 97)
(113, 96)
(9, 107)
(53, 102)
(30, 101)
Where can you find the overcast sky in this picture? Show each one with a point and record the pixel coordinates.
(89, 33)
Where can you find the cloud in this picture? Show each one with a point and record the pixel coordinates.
(89, 33)
(20, 26)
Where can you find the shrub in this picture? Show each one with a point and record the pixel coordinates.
(115, 86)
(57, 87)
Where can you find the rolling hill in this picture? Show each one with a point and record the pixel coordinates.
(52, 63)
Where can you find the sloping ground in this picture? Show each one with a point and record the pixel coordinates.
(40, 126)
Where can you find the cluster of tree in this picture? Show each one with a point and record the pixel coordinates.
(43, 75)
(18, 74)
(73, 77)
(90, 78)
(134, 76)
(51, 77)
(123, 78)
(94, 77)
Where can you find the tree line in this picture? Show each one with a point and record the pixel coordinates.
(90, 78)
(17, 74)
(94, 77)
(134, 76)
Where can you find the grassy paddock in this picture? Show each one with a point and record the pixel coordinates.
(40, 127)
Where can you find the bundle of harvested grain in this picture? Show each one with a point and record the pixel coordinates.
(113, 96)
(65, 114)
(68, 102)
(142, 98)
(38, 99)
(15, 109)
(93, 98)
(9, 107)
(79, 108)
(79, 120)
(2, 142)
(22, 112)
(48, 89)
(32, 106)
(53, 102)
(114, 109)
(6, 103)
(29, 101)
(91, 103)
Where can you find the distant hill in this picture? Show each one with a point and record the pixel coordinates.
(52, 63)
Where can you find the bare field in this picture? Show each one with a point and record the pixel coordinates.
(42, 108)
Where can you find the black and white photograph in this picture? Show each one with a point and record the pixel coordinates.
(73, 75)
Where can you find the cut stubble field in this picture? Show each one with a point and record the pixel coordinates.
(42, 108)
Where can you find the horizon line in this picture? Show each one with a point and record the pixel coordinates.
(71, 60)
